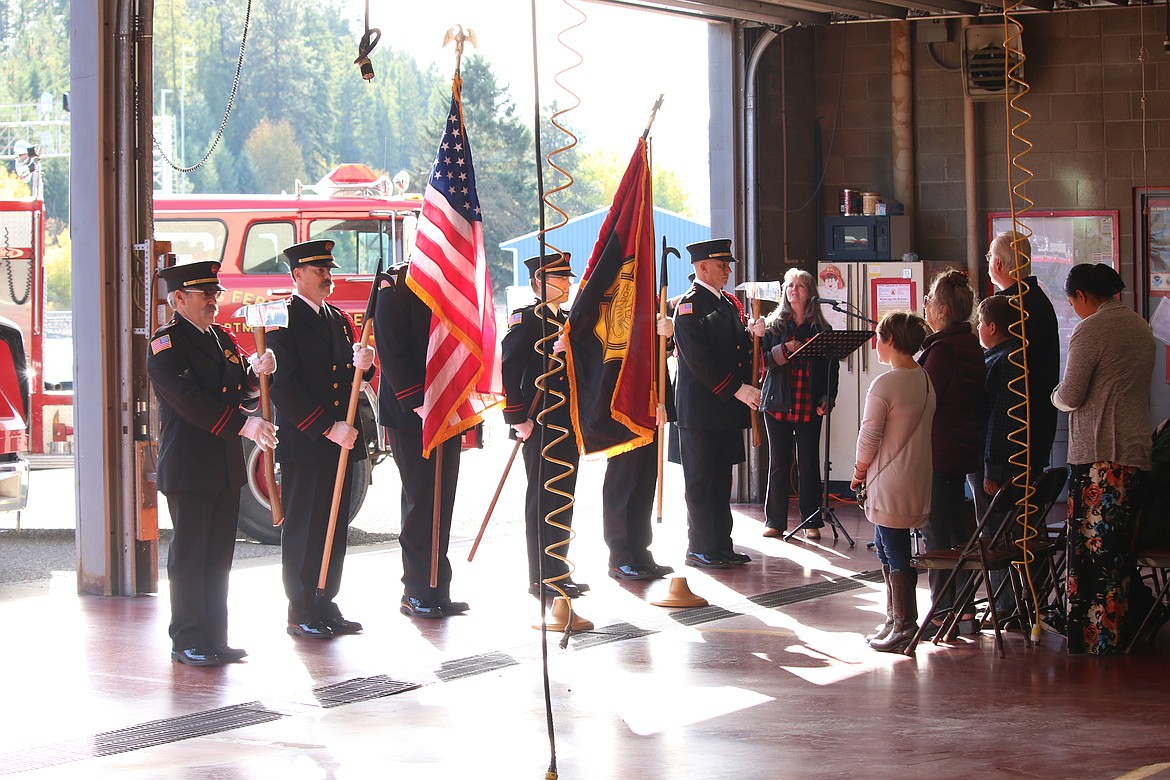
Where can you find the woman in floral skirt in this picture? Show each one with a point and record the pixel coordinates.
(1106, 391)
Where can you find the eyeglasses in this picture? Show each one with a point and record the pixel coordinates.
(208, 295)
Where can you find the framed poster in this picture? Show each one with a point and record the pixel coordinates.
(1060, 240)
(1151, 213)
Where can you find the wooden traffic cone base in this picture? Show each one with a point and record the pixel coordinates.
(680, 595)
(560, 616)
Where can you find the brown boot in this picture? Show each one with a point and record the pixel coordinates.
(884, 630)
(905, 604)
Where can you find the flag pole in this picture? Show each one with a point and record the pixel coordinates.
(757, 438)
(666, 252)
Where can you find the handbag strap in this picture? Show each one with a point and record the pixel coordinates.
(869, 479)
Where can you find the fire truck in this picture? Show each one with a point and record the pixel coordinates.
(370, 220)
(22, 233)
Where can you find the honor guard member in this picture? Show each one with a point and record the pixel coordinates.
(200, 379)
(520, 364)
(318, 355)
(402, 325)
(715, 400)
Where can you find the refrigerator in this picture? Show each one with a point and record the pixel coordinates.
(869, 289)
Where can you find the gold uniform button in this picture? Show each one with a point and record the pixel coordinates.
(334, 385)
(349, 365)
(224, 390)
(337, 403)
(334, 368)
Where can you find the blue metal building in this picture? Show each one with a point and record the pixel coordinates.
(579, 234)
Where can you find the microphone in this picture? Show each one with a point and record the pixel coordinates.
(830, 301)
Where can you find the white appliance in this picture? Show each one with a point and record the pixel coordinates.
(871, 289)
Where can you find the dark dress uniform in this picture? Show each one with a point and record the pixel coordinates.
(401, 330)
(200, 379)
(520, 365)
(310, 390)
(627, 503)
(714, 351)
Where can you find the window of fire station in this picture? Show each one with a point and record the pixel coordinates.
(263, 244)
(358, 244)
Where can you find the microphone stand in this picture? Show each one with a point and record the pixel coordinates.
(841, 343)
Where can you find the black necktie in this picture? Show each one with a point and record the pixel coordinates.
(324, 315)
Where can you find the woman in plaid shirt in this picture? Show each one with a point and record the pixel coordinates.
(797, 394)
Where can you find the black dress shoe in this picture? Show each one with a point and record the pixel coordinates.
(570, 589)
(702, 561)
(340, 625)
(454, 607)
(314, 630)
(412, 607)
(195, 656)
(660, 570)
(731, 556)
(230, 655)
(631, 572)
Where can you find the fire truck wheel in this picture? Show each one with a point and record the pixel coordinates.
(255, 512)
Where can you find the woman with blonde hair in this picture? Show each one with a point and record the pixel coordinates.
(953, 358)
(797, 393)
(892, 470)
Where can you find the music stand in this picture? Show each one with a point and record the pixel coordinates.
(831, 345)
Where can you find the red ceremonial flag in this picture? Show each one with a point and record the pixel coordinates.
(610, 331)
(449, 273)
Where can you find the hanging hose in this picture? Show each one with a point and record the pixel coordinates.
(365, 46)
(1018, 118)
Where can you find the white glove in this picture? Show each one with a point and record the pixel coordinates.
(260, 431)
(665, 326)
(342, 434)
(560, 346)
(263, 363)
(757, 327)
(660, 414)
(749, 395)
(524, 429)
(363, 357)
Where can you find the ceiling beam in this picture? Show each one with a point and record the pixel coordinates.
(962, 7)
(746, 10)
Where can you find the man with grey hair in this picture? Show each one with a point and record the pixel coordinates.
(200, 376)
(1009, 262)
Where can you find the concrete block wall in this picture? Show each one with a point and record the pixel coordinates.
(1091, 147)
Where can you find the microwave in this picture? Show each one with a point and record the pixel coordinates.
(866, 237)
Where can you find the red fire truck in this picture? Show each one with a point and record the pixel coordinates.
(369, 224)
(22, 233)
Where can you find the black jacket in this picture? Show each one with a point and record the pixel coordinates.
(401, 328)
(200, 380)
(823, 376)
(521, 364)
(314, 373)
(714, 359)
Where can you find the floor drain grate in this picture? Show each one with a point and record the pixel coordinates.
(143, 735)
(474, 664)
(694, 617)
(781, 598)
(615, 632)
(360, 689)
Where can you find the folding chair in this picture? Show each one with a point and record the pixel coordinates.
(1156, 559)
(1046, 546)
(979, 554)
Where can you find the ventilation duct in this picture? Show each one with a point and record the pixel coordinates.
(986, 61)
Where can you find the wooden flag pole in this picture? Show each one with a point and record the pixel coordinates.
(757, 438)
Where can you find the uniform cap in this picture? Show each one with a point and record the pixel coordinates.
(318, 253)
(554, 264)
(714, 249)
(192, 276)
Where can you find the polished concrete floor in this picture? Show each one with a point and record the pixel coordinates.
(772, 681)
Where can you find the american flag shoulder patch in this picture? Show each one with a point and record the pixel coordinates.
(516, 318)
(159, 344)
(685, 308)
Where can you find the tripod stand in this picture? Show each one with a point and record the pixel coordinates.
(833, 345)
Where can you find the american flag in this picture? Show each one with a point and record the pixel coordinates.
(448, 271)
